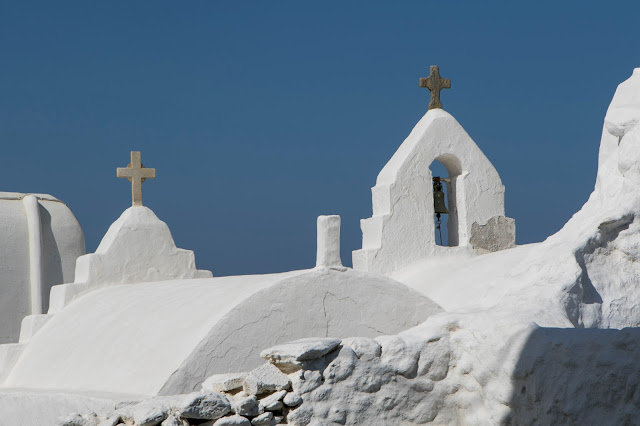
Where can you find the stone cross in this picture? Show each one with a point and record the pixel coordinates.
(136, 173)
(435, 83)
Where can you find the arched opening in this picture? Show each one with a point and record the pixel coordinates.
(447, 168)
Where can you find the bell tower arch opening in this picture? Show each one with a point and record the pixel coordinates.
(445, 170)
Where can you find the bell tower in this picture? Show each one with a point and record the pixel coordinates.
(402, 229)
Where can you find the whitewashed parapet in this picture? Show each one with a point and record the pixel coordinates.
(137, 248)
(31, 325)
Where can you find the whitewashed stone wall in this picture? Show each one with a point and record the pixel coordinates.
(535, 375)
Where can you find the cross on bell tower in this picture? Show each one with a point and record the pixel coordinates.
(435, 83)
(136, 173)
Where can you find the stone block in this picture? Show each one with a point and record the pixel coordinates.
(149, 412)
(292, 399)
(246, 406)
(273, 402)
(289, 356)
(76, 419)
(266, 378)
(224, 382)
(497, 234)
(264, 419)
(204, 406)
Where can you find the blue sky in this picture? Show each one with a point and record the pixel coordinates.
(260, 116)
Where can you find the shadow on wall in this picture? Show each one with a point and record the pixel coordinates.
(577, 376)
(52, 261)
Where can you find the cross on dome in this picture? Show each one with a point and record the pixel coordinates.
(435, 83)
(136, 173)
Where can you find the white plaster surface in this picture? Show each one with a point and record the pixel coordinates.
(169, 336)
(328, 250)
(402, 230)
(9, 354)
(31, 325)
(62, 241)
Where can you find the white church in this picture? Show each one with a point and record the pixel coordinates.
(473, 331)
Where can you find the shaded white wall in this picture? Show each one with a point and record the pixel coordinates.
(62, 242)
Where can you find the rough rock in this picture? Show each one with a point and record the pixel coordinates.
(76, 419)
(499, 233)
(398, 354)
(246, 406)
(149, 412)
(288, 357)
(306, 380)
(264, 379)
(173, 420)
(204, 406)
(234, 420)
(337, 415)
(110, 421)
(342, 366)
(365, 348)
(275, 406)
(263, 419)
(269, 403)
(292, 399)
(224, 382)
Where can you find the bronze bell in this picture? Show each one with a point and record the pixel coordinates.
(439, 205)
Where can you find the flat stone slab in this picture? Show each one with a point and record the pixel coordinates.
(289, 356)
(224, 382)
(266, 378)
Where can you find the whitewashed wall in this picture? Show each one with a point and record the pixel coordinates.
(62, 241)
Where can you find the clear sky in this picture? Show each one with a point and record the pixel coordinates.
(260, 116)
